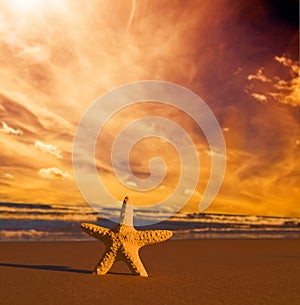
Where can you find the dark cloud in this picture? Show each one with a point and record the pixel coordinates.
(286, 11)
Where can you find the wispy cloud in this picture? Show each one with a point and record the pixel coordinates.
(53, 173)
(213, 153)
(260, 76)
(131, 184)
(190, 192)
(283, 90)
(37, 52)
(48, 148)
(287, 62)
(8, 176)
(259, 97)
(10, 130)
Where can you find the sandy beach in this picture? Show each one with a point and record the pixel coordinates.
(181, 272)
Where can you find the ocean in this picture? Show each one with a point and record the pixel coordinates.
(41, 222)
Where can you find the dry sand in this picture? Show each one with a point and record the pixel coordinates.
(181, 272)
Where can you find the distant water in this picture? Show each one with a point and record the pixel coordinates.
(37, 222)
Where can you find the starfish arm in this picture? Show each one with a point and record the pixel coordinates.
(152, 236)
(105, 262)
(98, 232)
(133, 261)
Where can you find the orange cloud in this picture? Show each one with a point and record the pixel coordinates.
(9, 130)
(8, 176)
(259, 97)
(260, 76)
(283, 91)
(53, 173)
(48, 148)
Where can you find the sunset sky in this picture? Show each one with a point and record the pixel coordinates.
(241, 57)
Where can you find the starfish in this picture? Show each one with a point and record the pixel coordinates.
(124, 241)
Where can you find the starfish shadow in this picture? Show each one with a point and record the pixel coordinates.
(58, 268)
(46, 267)
(119, 273)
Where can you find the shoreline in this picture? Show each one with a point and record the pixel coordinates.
(88, 239)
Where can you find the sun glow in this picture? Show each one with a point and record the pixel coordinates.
(31, 5)
(26, 4)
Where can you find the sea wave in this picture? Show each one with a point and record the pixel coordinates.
(62, 222)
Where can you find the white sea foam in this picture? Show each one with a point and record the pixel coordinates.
(34, 235)
(62, 222)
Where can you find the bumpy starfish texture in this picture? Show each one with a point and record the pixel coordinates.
(124, 241)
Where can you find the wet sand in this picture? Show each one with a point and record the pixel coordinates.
(189, 272)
